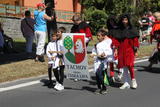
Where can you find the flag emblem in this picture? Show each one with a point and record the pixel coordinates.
(75, 47)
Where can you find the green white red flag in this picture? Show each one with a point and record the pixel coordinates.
(75, 56)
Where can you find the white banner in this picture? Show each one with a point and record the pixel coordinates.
(75, 56)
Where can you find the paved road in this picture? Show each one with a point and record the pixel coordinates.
(80, 94)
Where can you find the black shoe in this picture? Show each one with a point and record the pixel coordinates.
(104, 91)
(41, 59)
(111, 81)
(118, 79)
(149, 67)
(98, 91)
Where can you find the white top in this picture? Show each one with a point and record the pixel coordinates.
(60, 42)
(25, 28)
(103, 47)
(52, 46)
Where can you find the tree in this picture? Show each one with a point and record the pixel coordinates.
(97, 11)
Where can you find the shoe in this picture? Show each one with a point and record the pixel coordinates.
(125, 86)
(98, 91)
(61, 87)
(104, 91)
(119, 78)
(112, 81)
(41, 58)
(134, 84)
(56, 86)
(36, 59)
(149, 66)
(75, 80)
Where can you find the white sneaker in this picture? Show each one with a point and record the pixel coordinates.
(75, 80)
(56, 86)
(125, 86)
(59, 87)
(134, 83)
(119, 76)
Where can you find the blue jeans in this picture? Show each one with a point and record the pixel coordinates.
(100, 76)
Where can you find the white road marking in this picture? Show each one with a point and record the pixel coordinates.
(19, 86)
(38, 81)
(143, 60)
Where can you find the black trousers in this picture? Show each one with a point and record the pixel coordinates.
(100, 79)
(50, 72)
(59, 74)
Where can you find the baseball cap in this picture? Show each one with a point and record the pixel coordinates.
(40, 5)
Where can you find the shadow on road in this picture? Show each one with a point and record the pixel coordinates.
(90, 89)
(151, 70)
(46, 83)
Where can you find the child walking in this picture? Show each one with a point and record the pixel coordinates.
(103, 54)
(51, 57)
(55, 56)
(59, 72)
(126, 46)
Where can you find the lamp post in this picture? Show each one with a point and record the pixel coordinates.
(51, 25)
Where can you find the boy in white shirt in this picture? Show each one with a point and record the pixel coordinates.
(59, 74)
(54, 52)
(103, 54)
(51, 47)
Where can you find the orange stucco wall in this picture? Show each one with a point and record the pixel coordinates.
(60, 4)
(68, 5)
(11, 2)
(31, 3)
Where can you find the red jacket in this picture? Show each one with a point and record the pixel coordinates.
(82, 28)
(126, 51)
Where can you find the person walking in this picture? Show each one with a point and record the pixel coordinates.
(112, 26)
(127, 45)
(60, 72)
(103, 54)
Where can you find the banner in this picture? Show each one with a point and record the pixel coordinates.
(75, 56)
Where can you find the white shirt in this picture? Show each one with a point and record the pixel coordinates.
(103, 47)
(52, 46)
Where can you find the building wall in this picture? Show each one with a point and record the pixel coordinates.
(12, 2)
(11, 27)
(67, 5)
(31, 3)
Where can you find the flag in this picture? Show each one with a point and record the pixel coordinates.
(106, 82)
